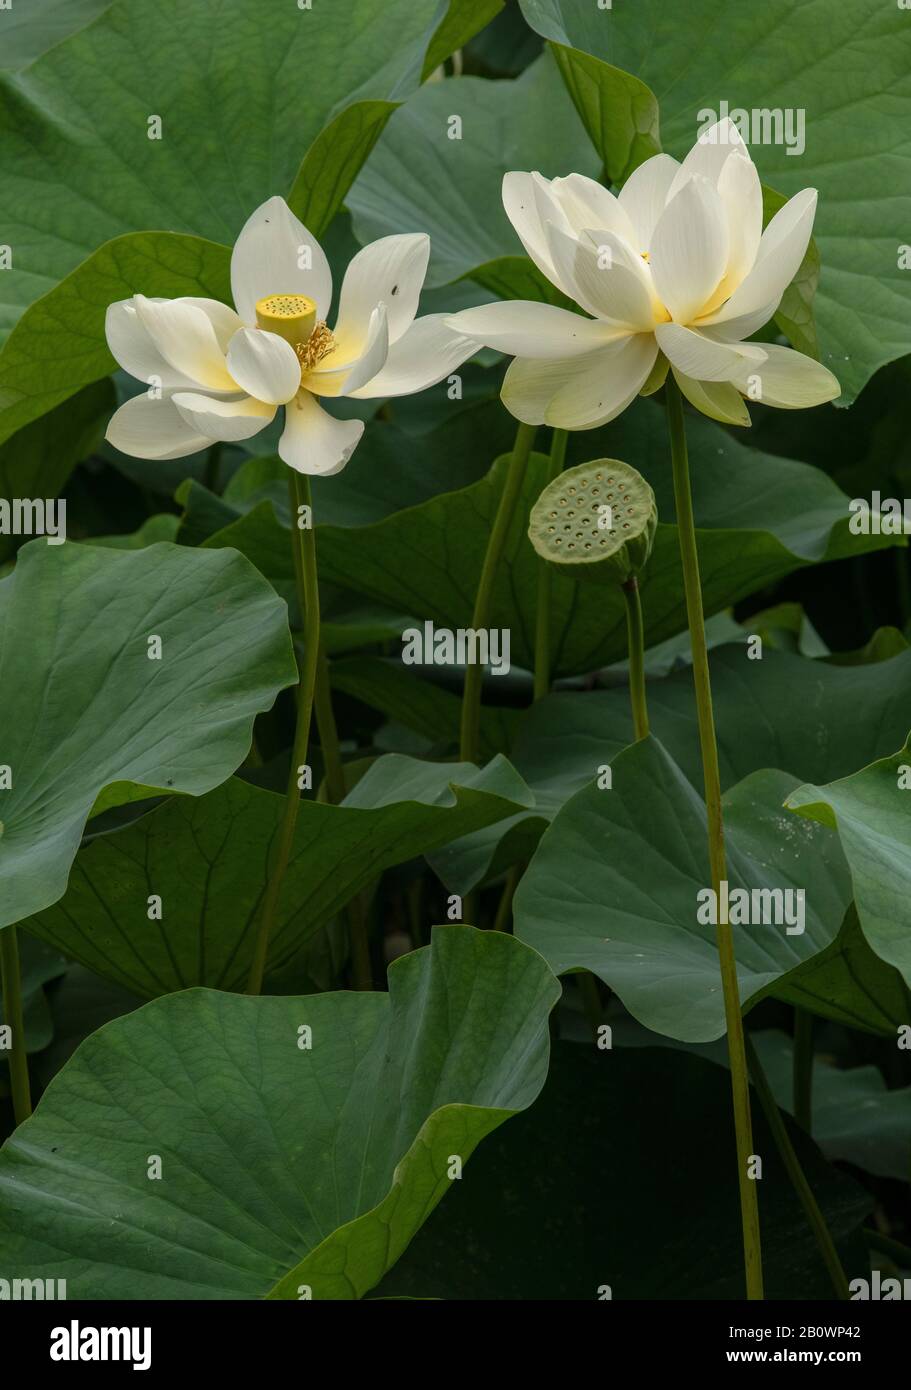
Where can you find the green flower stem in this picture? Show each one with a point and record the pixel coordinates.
(328, 731)
(303, 545)
(636, 642)
(504, 907)
(355, 916)
(796, 1174)
(470, 740)
(13, 1017)
(803, 1069)
(542, 605)
(740, 1086)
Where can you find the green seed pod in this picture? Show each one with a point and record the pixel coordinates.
(596, 522)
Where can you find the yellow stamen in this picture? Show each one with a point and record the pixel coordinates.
(290, 316)
(645, 255)
(318, 345)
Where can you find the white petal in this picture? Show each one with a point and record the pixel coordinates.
(424, 355)
(267, 260)
(531, 383)
(577, 393)
(722, 159)
(741, 193)
(389, 271)
(689, 249)
(264, 365)
(717, 399)
(223, 420)
(704, 358)
(644, 196)
(147, 428)
(134, 350)
(184, 336)
(521, 198)
(609, 280)
(781, 250)
(734, 330)
(562, 246)
(709, 155)
(334, 378)
(313, 441)
(225, 322)
(521, 328)
(550, 207)
(788, 380)
(656, 377)
(587, 203)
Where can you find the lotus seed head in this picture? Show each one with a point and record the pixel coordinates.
(599, 544)
(290, 316)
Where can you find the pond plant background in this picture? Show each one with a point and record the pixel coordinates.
(337, 964)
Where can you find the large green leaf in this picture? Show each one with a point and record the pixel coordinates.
(82, 705)
(872, 812)
(565, 738)
(619, 111)
(207, 859)
(59, 345)
(387, 473)
(30, 29)
(38, 461)
(419, 704)
(856, 1118)
(421, 179)
(849, 984)
(613, 888)
(579, 1193)
(282, 1165)
(253, 100)
(847, 70)
(759, 517)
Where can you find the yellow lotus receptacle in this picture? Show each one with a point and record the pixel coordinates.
(290, 316)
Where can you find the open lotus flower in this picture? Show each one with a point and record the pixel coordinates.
(676, 265)
(219, 375)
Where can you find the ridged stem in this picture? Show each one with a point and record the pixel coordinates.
(635, 632)
(740, 1086)
(354, 913)
(470, 733)
(303, 545)
(796, 1174)
(542, 603)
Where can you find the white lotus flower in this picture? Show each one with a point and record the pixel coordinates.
(219, 375)
(677, 264)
